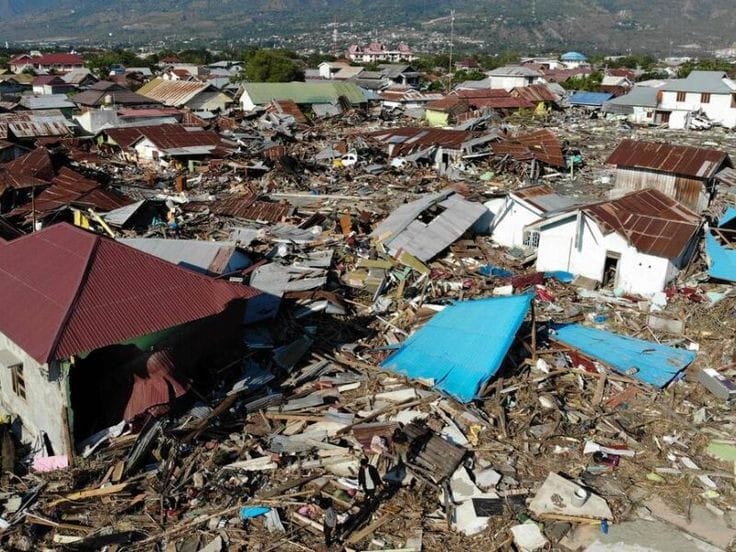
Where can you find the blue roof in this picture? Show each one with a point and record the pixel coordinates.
(728, 216)
(462, 346)
(590, 98)
(655, 364)
(573, 56)
(721, 260)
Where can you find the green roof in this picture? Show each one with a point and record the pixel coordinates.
(303, 92)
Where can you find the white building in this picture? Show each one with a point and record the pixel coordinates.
(637, 243)
(376, 52)
(513, 212)
(639, 106)
(513, 76)
(710, 92)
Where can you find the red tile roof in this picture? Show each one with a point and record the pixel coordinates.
(66, 291)
(651, 221)
(702, 163)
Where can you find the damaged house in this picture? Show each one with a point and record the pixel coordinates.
(93, 332)
(685, 173)
(324, 98)
(638, 243)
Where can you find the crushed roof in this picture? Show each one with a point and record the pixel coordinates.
(32, 169)
(261, 93)
(690, 161)
(651, 221)
(66, 291)
(542, 145)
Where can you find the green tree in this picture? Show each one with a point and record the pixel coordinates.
(465, 75)
(268, 65)
(589, 83)
(705, 65)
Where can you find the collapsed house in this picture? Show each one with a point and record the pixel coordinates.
(93, 332)
(638, 243)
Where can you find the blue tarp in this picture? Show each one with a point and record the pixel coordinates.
(490, 270)
(594, 99)
(728, 216)
(560, 276)
(463, 346)
(250, 512)
(721, 260)
(654, 364)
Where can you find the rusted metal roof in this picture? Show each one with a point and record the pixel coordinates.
(701, 163)
(287, 107)
(542, 145)
(71, 188)
(651, 221)
(250, 208)
(33, 169)
(172, 93)
(66, 291)
(408, 139)
(167, 137)
(535, 93)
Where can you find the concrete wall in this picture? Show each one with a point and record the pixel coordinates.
(719, 108)
(46, 398)
(509, 219)
(507, 83)
(637, 272)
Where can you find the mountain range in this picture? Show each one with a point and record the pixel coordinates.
(662, 26)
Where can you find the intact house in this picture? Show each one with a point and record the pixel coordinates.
(639, 106)
(93, 332)
(685, 173)
(637, 243)
(376, 52)
(513, 76)
(51, 84)
(194, 95)
(45, 63)
(513, 212)
(711, 93)
(176, 146)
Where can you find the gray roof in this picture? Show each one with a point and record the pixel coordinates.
(402, 230)
(639, 96)
(46, 101)
(474, 84)
(197, 255)
(514, 71)
(702, 81)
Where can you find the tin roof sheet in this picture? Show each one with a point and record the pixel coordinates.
(172, 93)
(66, 291)
(261, 93)
(702, 163)
(649, 220)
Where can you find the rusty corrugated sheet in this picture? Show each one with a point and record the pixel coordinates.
(167, 137)
(702, 163)
(172, 93)
(651, 221)
(33, 169)
(542, 145)
(250, 208)
(408, 139)
(66, 291)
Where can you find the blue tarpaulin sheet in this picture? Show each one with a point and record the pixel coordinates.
(560, 276)
(721, 260)
(490, 270)
(728, 216)
(649, 362)
(463, 346)
(249, 512)
(595, 99)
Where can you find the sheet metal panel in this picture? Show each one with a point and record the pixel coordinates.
(649, 362)
(463, 346)
(701, 163)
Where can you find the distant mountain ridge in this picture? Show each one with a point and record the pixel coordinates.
(522, 25)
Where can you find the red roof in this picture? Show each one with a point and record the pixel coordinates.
(541, 144)
(701, 163)
(58, 59)
(66, 291)
(177, 136)
(33, 169)
(651, 221)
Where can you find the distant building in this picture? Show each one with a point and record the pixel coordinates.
(44, 63)
(513, 76)
(573, 60)
(376, 52)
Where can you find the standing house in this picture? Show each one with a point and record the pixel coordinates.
(709, 92)
(194, 95)
(516, 210)
(44, 63)
(513, 76)
(684, 173)
(312, 94)
(93, 332)
(637, 243)
(175, 144)
(639, 106)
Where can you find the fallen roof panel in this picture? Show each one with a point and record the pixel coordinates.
(463, 346)
(649, 362)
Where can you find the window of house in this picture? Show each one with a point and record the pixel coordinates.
(705, 97)
(681, 96)
(18, 380)
(531, 239)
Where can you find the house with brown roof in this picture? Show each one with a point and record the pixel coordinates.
(685, 173)
(637, 244)
(59, 62)
(194, 95)
(94, 333)
(169, 145)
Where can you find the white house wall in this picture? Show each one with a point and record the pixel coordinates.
(509, 219)
(41, 411)
(145, 150)
(246, 103)
(637, 272)
(719, 108)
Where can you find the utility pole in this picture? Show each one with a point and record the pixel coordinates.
(452, 43)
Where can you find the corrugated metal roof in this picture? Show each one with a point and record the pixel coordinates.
(46, 101)
(544, 198)
(408, 139)
(542, 145)
(690, 161)
(713, 82)
(649, 362)
(261, 93)
(66, 291)
(71, 188)
(535, 93)
(649, 220)
(250, 208)
(198, 255)
(33, 169)
(172, 93)
(402, 231)
(590, 99)
(463, 346)
(33, 124)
